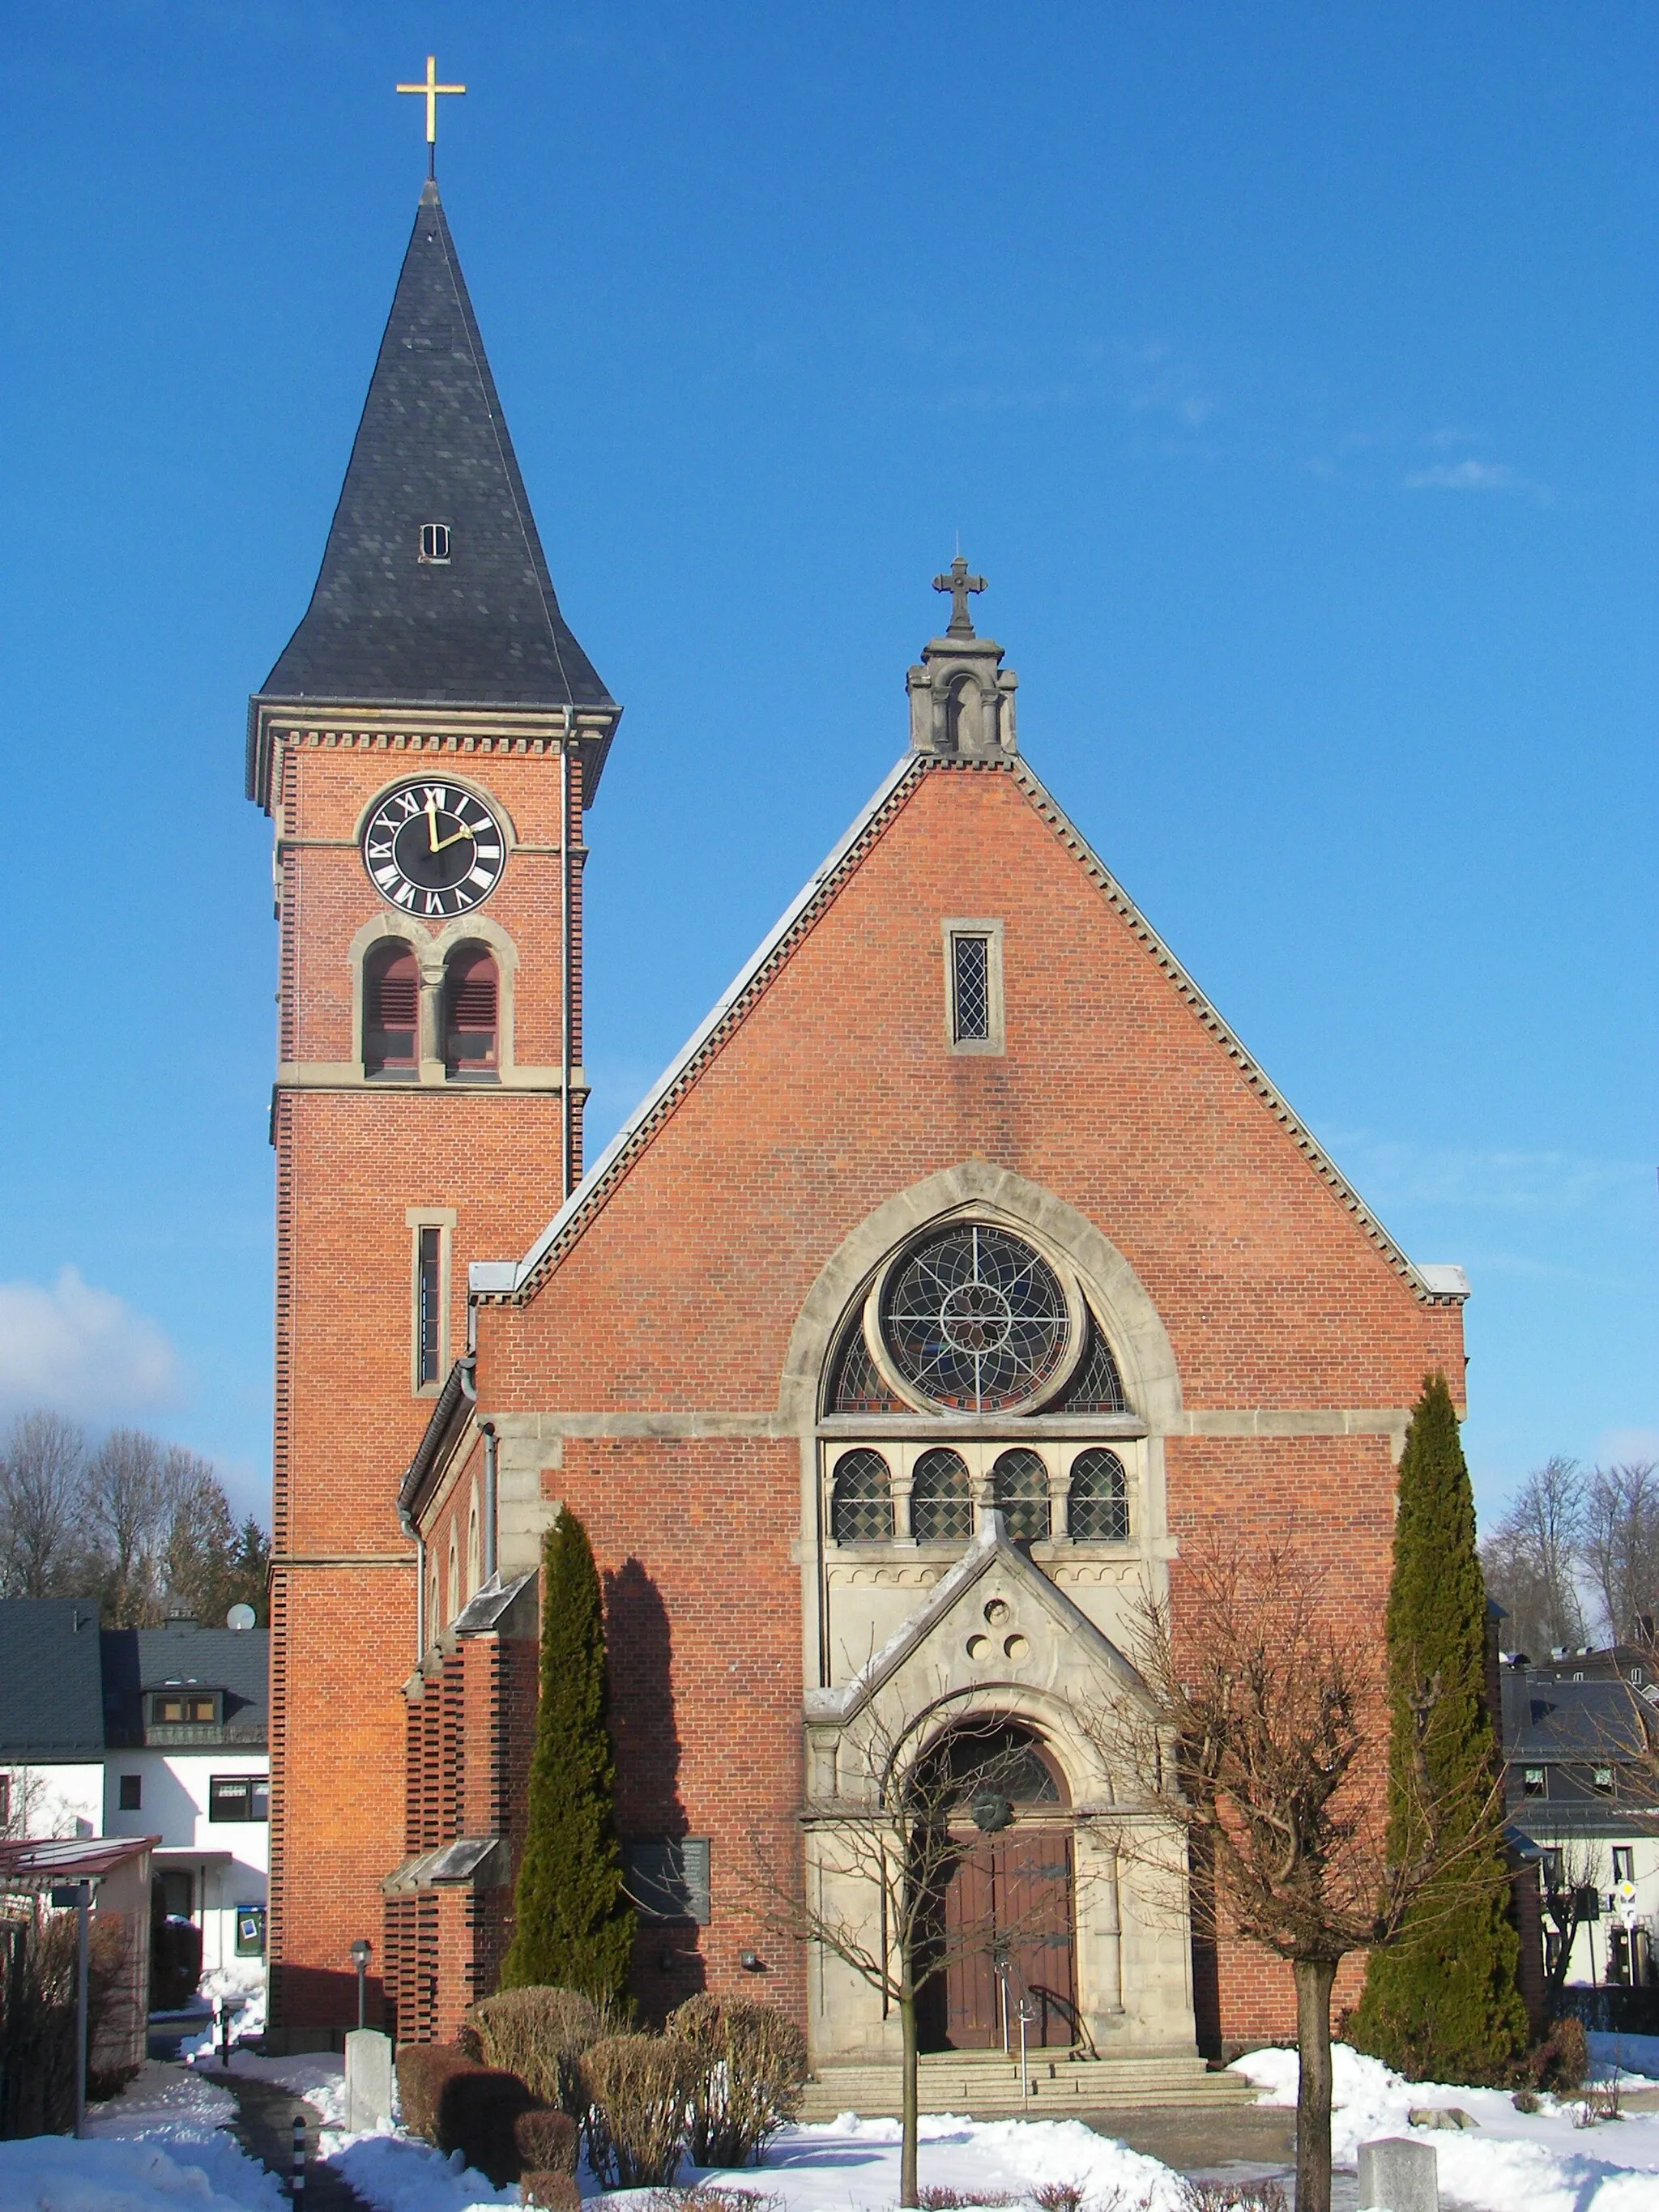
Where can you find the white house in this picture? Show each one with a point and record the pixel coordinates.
(186, 1714)
(146, 1732)
(52, 1718)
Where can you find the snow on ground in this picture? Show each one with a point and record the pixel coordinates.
(853, 2162)
(55, 2173)
(398, 2173)
(1542, 2160)
(318, 2076)
(1630, 2056)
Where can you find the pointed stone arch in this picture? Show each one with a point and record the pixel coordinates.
(1132, 1322)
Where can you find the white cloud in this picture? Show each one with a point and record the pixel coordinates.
(1470, 476)
(82, 1350)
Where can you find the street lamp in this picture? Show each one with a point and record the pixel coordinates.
(361, 1951)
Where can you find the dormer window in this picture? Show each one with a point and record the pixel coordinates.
(435, 542)
(186, 1708)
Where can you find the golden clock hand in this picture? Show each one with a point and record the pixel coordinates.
(431, 823)
(464, 831)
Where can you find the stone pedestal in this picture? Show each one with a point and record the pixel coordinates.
(368, 2079)
(1398, 2174)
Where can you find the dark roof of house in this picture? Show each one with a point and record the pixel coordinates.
(50, 1684)
(383, 627)
(236, 1662)
(1594, 1721)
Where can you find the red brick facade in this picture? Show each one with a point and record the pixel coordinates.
(646, 1362)
(353, 1156)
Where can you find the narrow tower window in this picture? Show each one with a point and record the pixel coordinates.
(435, 541)
(391, 997)
(471, 998)
(428, 1310)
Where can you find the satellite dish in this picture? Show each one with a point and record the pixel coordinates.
(240, 1617)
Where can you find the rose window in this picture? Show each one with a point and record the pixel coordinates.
(975, 1320)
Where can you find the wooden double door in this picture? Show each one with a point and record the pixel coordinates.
(1006, 1932)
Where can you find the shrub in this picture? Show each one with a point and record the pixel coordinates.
(639, 2088)
(478, 2110)
(553, 2191)
(422, 2069)
(1525, 2100)
(1562, 2060)
(539, 2035)
(750, 2086)
(1059, 2196)
(546, 2141)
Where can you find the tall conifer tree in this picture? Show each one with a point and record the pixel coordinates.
(575, 1926)
(1441, 2004)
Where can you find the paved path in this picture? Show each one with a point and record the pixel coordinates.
(265, 2127)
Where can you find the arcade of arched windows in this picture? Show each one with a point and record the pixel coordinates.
(950, 1392)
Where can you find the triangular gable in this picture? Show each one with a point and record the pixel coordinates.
(501, 1281)
(990, 1549)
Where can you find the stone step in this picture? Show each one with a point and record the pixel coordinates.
(987, 2084)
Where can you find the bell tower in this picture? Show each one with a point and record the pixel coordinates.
(427, 746)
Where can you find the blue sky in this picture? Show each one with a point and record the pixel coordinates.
(1289, 370)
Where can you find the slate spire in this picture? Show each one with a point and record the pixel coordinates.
(388, 623)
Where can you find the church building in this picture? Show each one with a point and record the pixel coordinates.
(962, 1269)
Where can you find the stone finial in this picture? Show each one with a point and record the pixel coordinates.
(961, 698)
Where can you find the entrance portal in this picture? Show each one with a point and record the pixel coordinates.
(1004, 1911)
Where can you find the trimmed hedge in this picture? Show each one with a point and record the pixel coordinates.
(751, 2083)
(539, 2035)
(479, 2108)
(640, 2089)
(546, 2142)
(552, 2192)
(423, 2071)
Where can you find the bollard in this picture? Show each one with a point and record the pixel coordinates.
(296, 2187)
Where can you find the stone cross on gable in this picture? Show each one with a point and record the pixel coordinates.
(959, 583)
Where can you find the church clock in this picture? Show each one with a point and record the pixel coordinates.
(433, 848)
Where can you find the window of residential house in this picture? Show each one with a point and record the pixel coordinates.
(239, 1798)
(5, 1800)
(1624, 1864)
(1532, 1781)
(1602, 1778)
(392, 1002)
(132, 1796)
(183, 1708)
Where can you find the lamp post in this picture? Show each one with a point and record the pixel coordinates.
(361, 1951)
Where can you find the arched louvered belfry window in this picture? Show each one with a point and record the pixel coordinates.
(391, 1008)
(471, 996)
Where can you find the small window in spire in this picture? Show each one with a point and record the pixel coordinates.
(435, 541)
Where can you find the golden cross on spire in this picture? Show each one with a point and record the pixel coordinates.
(430, 91)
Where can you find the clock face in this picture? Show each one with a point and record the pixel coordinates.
(432, 849)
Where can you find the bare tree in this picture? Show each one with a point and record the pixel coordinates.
(129, 1498)
(1568, 1894)
(41, 1545)
(1621, 1543)
(1265, 1746)
(926, 1794)
(1533, 1558)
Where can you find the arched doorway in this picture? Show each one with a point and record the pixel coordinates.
(1005, 1910)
